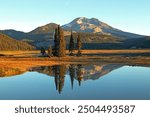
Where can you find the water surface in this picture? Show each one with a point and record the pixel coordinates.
(102, 81)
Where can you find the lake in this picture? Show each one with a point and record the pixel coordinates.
(78, 82)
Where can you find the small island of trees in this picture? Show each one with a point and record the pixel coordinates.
(59, 48)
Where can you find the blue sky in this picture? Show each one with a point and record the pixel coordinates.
(25, 15)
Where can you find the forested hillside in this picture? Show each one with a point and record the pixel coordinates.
(7, 43)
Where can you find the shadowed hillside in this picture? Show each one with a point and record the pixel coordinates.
(7, 43)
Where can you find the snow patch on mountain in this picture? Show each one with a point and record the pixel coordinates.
(93, 25)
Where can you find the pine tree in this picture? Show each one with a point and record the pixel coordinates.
(71, 45)
(62, 43)
(59, 43)
(56, 43)
(79, 45)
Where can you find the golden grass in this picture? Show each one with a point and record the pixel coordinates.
(24, 60)
(25, 63)
(114, 51)
(35, 52)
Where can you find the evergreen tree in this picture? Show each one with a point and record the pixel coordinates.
(56, 43)
(59, 43)
(62, 43)
(71, 45)
(79, 45)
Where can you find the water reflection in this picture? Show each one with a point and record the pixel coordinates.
(77, 72)
(76, 81)
(5, 72)
(59, 72)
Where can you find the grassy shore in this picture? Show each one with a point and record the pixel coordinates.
(24, 60)
(85, 52)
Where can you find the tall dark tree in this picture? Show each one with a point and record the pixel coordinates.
(59, 49)
(71, 45)
(56, 43)
(79, 45)
(62, 43)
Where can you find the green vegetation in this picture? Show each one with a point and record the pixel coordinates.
(95, 38)
(7, 43)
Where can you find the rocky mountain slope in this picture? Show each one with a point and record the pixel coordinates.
(93, 25)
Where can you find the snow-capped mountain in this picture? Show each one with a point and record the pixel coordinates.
(93, 25)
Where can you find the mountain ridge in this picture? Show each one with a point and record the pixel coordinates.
(92, 31)
(94, 25)
(8, 43)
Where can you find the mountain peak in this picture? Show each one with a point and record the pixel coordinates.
(48, 28)
(85, 20)
(83, 24)
(94, 25)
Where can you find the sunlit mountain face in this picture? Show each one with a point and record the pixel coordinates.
(94, 25)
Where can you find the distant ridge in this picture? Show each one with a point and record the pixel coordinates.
(94, 33)
(7, 43)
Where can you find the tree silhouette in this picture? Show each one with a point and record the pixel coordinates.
(59, 71)
(59, 43)
(62, 43)
(56, 43)
(79, 45)
(71, 45)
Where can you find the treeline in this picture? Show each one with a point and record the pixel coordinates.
(95, 38)
(137, 43)
(39, 39)
(7, 43)
(59, 47)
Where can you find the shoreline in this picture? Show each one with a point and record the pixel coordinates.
(24, 60)
(45, 61)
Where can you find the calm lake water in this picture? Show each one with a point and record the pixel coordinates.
(102, 81)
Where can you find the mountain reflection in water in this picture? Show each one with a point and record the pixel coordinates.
(77, 72)
(76, 81)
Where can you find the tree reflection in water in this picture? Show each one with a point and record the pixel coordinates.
(59, 73)
(77, 72)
